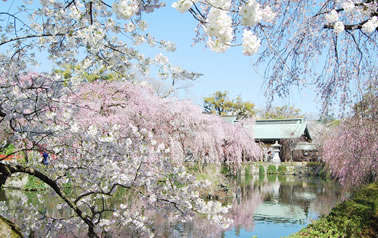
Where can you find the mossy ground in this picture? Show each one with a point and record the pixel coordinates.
(357, 217)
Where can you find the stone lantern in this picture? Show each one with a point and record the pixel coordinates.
(276, 152)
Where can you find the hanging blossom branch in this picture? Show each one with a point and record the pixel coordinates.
(290, 36)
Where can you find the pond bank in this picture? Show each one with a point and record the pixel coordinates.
(357, 217)
(285, 168)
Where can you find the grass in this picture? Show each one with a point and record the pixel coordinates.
(357, 217)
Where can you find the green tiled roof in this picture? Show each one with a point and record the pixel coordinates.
(272, 129)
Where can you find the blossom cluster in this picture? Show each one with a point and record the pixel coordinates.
(354, 13)
(251, 43)
(219, 24)
(251, 13)
(126, 8)
(182, 5)
(219, 30)
(371, 25)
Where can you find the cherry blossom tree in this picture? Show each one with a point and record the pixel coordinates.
(206, 138)
(109, 136)
(105, 136)
(101, 37)
(350, 147)
(350, 152)
(329, 44)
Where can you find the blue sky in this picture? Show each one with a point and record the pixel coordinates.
(230, 71)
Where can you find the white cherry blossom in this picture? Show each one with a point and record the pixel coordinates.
(251, 43)
(126, 8)
(182, 5)
(339, 27)
(268, 15)
(348, 6)
(251, 13)
(332, 16)
(371, 25)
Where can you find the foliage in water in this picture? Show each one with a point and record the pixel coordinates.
(261, 170)
(247, 170)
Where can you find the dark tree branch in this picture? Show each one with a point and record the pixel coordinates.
(29, 36)
(90, 13)
(101, 192)
(105, 4)
(69, 4)
(8, 169)
(2, 113)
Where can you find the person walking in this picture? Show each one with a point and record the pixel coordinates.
(45, 159)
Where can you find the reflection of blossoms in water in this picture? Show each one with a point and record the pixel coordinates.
(242, 212)
(306, 196)
(328, 198)
(247, 198)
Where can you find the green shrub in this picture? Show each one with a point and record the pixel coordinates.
(272, 169)
(261, 170)
(247, 170)
(282, 169)
(225, 170)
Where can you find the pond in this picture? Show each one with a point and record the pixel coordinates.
(285, 205)
(262, 206)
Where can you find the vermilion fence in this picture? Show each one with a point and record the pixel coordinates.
(10, 157)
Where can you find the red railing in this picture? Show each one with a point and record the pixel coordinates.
(9, 157)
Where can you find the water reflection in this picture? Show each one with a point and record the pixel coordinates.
(288, 204)
(265, 206)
